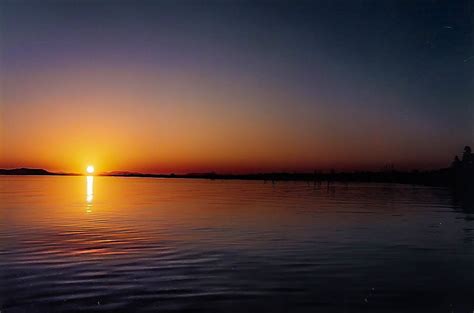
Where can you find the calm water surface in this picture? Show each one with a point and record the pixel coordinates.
(70, 244)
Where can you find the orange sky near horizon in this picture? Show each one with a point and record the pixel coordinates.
(80, 116)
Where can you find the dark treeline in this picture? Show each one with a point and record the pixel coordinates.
(440, 177)
(459, 174)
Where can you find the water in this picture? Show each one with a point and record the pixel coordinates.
(72, 244)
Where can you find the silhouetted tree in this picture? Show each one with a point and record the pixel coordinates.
(456, 162)
(463, 171)
(467, 157)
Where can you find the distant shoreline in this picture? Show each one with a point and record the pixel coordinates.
(442, 177)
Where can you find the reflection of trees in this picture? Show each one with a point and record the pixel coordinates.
(463, 200)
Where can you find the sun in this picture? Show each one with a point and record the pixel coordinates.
(90, 169)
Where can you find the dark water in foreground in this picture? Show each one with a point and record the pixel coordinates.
(154, 245)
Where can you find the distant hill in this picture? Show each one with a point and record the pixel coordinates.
(122, 173)
(28, 171)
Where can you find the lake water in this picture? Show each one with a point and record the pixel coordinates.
(72, 244)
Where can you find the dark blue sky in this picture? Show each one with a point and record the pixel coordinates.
(351, 84)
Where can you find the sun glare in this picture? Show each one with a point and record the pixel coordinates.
(90, 169)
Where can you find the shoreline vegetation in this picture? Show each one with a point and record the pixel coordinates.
(459, 175)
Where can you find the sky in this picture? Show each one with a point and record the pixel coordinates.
(235, 86)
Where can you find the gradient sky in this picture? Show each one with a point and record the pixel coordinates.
(235, 86)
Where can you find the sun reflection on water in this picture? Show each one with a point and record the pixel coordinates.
(89, 192)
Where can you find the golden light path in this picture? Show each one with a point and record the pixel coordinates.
(89, 188)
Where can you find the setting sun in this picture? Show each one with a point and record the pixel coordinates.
(90, 169)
